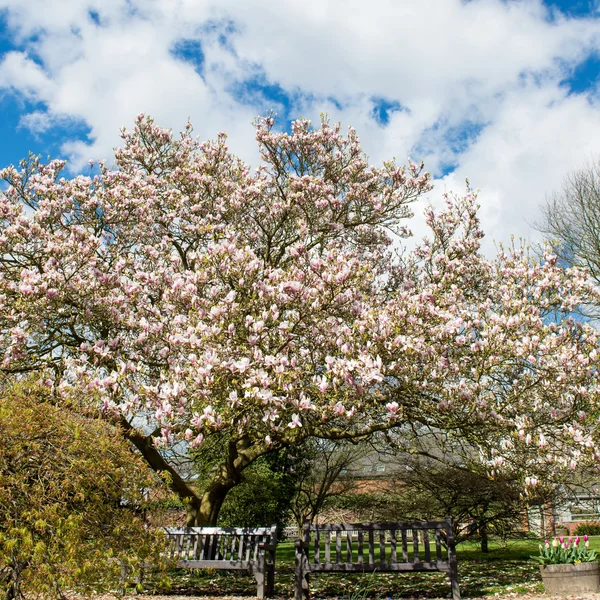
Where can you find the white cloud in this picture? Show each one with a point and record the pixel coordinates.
(18, 73)
(538, 136)
(494, 64)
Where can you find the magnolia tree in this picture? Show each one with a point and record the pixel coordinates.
(190, 296)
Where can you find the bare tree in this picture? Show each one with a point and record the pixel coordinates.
(324, 473)
(571, 219)
(433, 475)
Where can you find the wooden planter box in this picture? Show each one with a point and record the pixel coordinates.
(565, 580)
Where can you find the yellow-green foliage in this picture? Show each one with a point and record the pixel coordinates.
(71, 500)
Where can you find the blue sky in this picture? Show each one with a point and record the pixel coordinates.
(504, 92)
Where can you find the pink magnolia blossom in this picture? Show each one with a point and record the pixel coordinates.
(295, 422)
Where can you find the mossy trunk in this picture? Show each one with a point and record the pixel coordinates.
(212, 501)
(240, 454)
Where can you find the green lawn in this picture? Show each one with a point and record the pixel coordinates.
(505, 570)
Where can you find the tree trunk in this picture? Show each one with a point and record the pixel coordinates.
(241, 453)
(203, 510)
(212, 501)
(13, 579)
(146, 447)
(484, 538)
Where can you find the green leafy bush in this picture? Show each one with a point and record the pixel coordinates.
(588, 529)
(71, 501)
(264, 497)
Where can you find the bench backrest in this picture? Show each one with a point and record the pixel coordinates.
(415, 545)
(231, 544)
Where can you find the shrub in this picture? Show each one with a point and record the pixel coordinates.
(71, 501)
(588, 529)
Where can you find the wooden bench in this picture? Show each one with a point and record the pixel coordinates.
(341, 549)
(227, 548)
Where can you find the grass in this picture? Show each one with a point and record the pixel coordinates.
(505, 570)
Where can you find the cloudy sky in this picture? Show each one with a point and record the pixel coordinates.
(505, 93)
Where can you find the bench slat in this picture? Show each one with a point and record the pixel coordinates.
(343, 567)
(426, 545)
(189, 544)
(215, 564)
(195, 548)
(382, 548)
(248, 548)
(241, 548)
(233, 550)
(374, 526)
(393, 545)
(317, 546)
(252, 531)
(257, 542)
(349, 546)
(225, 545)
(214, 547)
(416, 545)
(438, 544)
(360, 547)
